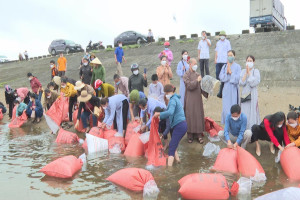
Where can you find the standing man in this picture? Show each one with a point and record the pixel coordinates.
(61, 65)
(150, 36)
(119, 56)
(121, 83)
(222, 47)
(26, 55)
(203, 53)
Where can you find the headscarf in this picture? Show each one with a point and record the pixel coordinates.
(134, 96)
(8, 89)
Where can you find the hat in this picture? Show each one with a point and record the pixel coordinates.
(98, 83)
(84, 97)
(79, 85)
(8, 89)
(57, 80)
(29, 74)
(167, 44)
(96, 61)
(222, 33)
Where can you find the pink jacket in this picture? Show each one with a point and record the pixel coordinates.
(167, 53)
(22, 93)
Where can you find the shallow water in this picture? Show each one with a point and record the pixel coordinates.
(24, 151)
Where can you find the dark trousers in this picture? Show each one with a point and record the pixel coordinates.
(85, 117)
(150, 39)
(72, 101)
(204, 64)
(61, 73)
(178, 132)
(218, 69)
(125, 109)
(10, 109)
(259, 133)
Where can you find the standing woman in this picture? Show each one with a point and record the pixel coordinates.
(10, 97)
(230, 76)
(182, 67)
(176, 116)
(164, 71)
(249, 80)
(85, 72)
(273, 129)
(98, 71)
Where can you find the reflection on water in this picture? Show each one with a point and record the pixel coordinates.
(24, 151)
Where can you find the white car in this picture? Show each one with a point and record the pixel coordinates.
(4, 59)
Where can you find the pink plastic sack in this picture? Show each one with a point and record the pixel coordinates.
(18, 121)
(130, 130)
(135, 147)
(58, 112)
(66, 137)
(226, 161)
(290, 162)
(1, 114)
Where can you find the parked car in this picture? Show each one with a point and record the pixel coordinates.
(4, 59)
(65, 46)
(130, 37)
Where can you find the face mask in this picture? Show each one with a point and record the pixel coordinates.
(63, 86)
(104, 107)
(230, 59)
(195, 67)
(136, 72)
(222, 37)
(79, 90)
(163, 62)
(279, 126)
(51, 66)
(168, 96)
(293, 125)
(250, 64)
(117, 83)
(120, 45)
(154, 84)
(30, 79)
(48, 97)
(16, 95)
(144, 109)
(92, 58)
(235, 118)
(166, 48)
(185, 57)
(85, 64)
(99, 88)
(203, 37)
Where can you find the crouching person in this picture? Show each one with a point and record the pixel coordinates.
(116, 111)
(89, 104)
(235, 133)
(20, 107)
(49, 99)
(34, 109)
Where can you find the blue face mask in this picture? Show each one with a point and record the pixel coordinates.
(166, 49)
(99, 88)
(118, 83)
(230, 59)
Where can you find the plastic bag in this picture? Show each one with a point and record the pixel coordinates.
(52, 125)
(137, 129)
(244, 185)
(145, 137)
(277, 158)
(290, 193)
(210, 149)
(116, 149)
(150, 189)
(117, 134)
(96, 144)
(258, 176)
(213, 139)
(83, 158)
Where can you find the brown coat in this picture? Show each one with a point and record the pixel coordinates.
(193, 105)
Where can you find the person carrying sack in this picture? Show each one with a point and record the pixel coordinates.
(90, 105)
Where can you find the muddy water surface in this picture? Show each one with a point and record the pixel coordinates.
(24, 151)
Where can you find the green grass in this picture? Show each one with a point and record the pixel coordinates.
(2, 84)
(95, 51)
(134, 46)
(160, 43)
(109, 49)
(185, 41)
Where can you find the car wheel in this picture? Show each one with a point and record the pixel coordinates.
(53, 52)
(139, 41)
(67, 50)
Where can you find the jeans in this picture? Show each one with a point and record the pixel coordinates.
(204, 64)
(38, 113)
(178, 132)
(85, 117)
(61, 73)
(218, 69)
(72, 101)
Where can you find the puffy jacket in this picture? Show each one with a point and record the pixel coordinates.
(35, 85)
(69, 90)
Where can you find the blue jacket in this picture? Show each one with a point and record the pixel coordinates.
(236, 128)
(38, 106)
(174, 111)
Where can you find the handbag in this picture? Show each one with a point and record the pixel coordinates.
(246, 98)
(96, 112)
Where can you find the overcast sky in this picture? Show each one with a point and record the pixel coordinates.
(32, 24)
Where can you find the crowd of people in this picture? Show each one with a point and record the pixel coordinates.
(179, 114)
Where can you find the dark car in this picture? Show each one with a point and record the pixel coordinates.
(65, 46)
(130, 37)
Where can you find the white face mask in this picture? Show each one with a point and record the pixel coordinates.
(104, 107)
(144, 109)
(279, 126)
(168, 96)
(120, 45)
(51, 66)
(85, 64)
(63, 86)
(135, 72)
(250, 64)
(235, 118)
(48, 97)
(30, 79)
(203, 37)
(293, 125)
(185, 57)
(195, 67)
(163, 62)
(222, 37)
(154, 84)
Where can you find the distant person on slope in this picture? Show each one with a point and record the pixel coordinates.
(54, 71)
(85, 72)
(222, 47)
(61, 65)
(167, 52)
(119, 57)
(150, 36)
(26, 55)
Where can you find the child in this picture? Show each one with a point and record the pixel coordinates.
(156, 89)
(54, 71)
(293, 129)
